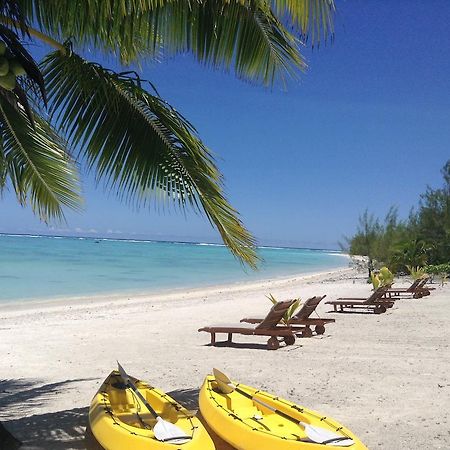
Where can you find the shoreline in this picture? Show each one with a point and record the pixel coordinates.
(167, 294)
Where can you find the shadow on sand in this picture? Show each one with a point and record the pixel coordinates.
(50, 431)
(62, 430)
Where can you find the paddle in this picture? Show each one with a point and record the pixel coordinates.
(164, 431)
(315, 434)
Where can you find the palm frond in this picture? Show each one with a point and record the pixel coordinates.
(12, 10)
(35, 161)
(139, 145)
(245, 36)
(119, 26)
(240, 35)
(313, 19)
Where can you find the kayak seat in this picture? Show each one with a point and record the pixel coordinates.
(133, 420)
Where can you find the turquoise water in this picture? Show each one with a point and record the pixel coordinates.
(42, 267)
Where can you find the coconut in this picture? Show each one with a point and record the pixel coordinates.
(2, 48)
(4, 66)
(16, 68)
(8, 81)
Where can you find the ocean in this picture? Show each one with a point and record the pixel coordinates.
(47, 267)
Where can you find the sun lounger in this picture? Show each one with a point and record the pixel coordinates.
(377, 302)
(268, 327)
(303, 317)
(416, 290)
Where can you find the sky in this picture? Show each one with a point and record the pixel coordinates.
(368, 126)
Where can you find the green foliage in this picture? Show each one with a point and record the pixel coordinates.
(438, 269)
(410, 253)
(432, 223)
(145, 149)
(417, 272)
(290, 312)
(247, 36)
(424, 238)
(384, 277)
(40, 170)
(366, 238)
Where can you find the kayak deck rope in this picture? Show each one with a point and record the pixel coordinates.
(303, 411)
(243, 421)
(282, 401)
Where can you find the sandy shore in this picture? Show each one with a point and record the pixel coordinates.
(386, 377)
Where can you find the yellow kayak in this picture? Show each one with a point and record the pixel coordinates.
(120, 421)
(250, 419)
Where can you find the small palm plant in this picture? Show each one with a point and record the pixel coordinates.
(383, 278)
(416, 272)
(290, 312)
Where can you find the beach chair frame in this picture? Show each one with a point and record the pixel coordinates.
(269, 326)
(303, 318)
(378, 303)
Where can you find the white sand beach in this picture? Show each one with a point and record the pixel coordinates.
(386, 377)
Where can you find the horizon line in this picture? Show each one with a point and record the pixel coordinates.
(281, 247)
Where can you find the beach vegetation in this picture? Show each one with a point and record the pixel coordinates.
(417, 272)
(441, 271)
(69, 110)
(423, 239)
(381, 278)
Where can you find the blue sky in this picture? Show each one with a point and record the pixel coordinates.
(367, 126)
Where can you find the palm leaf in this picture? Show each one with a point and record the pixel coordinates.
(13, 11)
(244, 35)
(139, 145)
(313, 19)
(36, 163)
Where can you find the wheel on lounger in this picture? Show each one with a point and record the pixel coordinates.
(307, 332)
(289, 340)
(319, 329)
(273, 344)
(380, 309)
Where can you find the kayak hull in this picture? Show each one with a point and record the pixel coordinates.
(119, 421)
(246, 424)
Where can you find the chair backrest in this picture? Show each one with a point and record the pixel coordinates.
(276, 313)
(417, 283)
(377, 294)
(308, 307)
(423, 282)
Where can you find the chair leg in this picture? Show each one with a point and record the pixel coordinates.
(213, 338)
(230, 335)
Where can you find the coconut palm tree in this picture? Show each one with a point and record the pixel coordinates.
(68, 110)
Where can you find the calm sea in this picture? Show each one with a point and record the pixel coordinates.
(42, 267)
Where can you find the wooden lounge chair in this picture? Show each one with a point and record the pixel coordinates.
(377, 302)
(303, 317)
(268, 327)
(416, 290)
